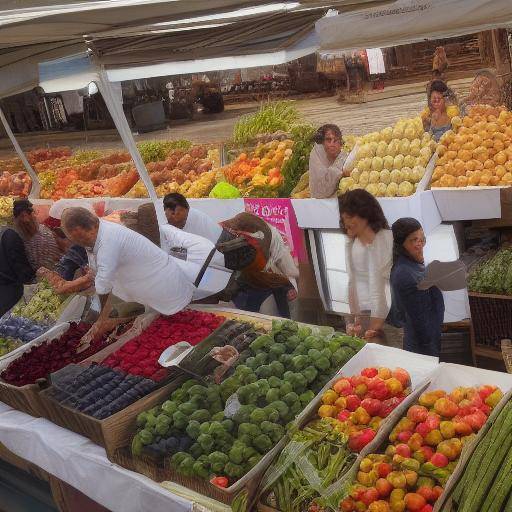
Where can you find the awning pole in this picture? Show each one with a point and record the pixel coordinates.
(36, 186)
(116, 111)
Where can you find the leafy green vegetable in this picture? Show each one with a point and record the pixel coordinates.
(271, 117)
(298, 164)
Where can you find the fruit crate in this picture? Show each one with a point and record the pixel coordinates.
(491, 316)
(27, 398)
(446, 376)
(459, 470)
(113, 432)
(420, 368)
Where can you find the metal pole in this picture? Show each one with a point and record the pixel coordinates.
(36, 186)
(116, 111)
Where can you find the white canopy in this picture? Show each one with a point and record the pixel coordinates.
(409, 21)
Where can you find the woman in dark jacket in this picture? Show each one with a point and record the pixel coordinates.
(420, 311)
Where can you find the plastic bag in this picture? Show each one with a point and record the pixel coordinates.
(224, 190)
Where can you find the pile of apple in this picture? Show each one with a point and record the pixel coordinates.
(425, 447)
(358, 404)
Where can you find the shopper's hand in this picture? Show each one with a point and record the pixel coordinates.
(291, 294)
(370, 334)
(354, 329)
(85, 342)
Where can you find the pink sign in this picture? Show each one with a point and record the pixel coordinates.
(280, 214)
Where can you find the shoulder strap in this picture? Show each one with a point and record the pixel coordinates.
(205, 266)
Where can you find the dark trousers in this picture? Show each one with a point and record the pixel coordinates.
(10, 294)
(251, 299)
(413, 344)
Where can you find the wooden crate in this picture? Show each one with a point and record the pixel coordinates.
(160, 471)
(27, 398)
(491, 317)
(112, 432)
(23, 398)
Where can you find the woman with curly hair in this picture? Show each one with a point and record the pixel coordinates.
(368, 259)
(326, 162)
(484, 90)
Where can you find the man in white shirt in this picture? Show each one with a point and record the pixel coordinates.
(180, 215)
(198, 259)
(127, 265)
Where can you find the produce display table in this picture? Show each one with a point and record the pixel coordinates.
(84, 465)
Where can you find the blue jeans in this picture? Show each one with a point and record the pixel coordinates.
(251, 299)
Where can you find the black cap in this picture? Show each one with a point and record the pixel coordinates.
(21, 205)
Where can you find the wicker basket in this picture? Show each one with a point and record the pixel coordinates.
(492, 318)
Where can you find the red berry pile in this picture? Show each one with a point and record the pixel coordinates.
(139, 356)
(50, 356)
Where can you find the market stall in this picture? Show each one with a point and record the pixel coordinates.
(244, 409)
(140, 439)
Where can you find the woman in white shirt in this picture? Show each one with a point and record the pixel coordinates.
(368, 256)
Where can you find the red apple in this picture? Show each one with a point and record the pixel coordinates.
(439, 460)
(403, 450)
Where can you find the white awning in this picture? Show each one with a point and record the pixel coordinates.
(304, 47)
(409, 21)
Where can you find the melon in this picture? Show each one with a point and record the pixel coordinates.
(385, 176)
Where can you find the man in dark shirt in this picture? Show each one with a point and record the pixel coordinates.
(15, 270)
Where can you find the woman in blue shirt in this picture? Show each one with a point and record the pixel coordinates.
(421, 312)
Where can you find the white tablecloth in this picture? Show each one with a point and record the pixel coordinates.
(79, 462)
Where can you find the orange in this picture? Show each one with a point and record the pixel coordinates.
(468, 122)
(462, 181)
(465, 155)
(454, 146)
(473, 180)
(477, 175)
(479, 165)
(451, 155)
(498, 145)
(500, 171)
(477, 140)
(459, 167)
(494, 180)
(447, 181)
(438, 172)
(460, 139)
(449, 169)
(442, 160)
(492, 127)
(441, 149)
(508, 166)
(508, 177)
(485, 179)
(482, 155)
(491, 118)
(470, 166)
(500, 158)
(489, 164)
(483, 134)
